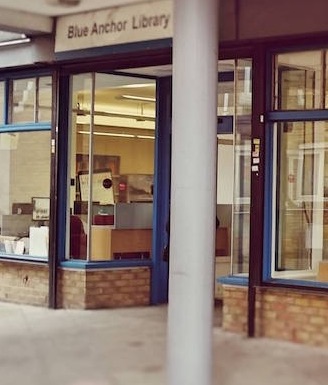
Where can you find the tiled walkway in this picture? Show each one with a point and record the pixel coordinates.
(127, 347)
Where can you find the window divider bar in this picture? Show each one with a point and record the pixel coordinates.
(297, 116)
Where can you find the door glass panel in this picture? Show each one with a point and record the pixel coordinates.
(301, 204)
(242, 170)
(233, 193)
(112, 134)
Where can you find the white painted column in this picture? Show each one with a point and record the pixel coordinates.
(193, 192)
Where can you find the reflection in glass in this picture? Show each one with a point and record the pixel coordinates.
(44, 104)
(242, 171)
(233, 194)
(25, 174)
(298, 80)
(23, 100)
(301, 219)
(111, 167)
(31, 100)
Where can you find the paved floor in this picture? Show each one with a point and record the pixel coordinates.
(127, 346)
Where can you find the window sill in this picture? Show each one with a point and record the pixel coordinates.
(86, 265)
(233, 280)
(23, 258)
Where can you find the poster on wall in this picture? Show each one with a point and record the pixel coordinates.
(102, 187)
(105, 167)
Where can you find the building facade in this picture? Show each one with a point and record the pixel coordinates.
(85, 149)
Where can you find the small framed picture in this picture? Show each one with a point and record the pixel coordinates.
(41, 208)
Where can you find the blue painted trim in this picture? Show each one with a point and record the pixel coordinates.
(114, 49)
(24, 74)
(228, 76)
(6, 103)
(115, 264)
(297, 283)
(225, 124)
(268, 196)
(27, 127)
(23, 258)
(297, 116)
(233, 280)
(159, 279)
(63, 106)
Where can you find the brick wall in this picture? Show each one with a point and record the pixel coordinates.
(285, 314)
(293, 315)
(71, 288)
(235, 309)
(104, 288)
(25, 283)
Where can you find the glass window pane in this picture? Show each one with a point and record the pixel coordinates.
(226, 89)
(44, 99)
(298, 80)
(23, 100)
(233, 194)
(118, 147)
(25, 174)
(2, 102)
(31, 100)
(78, 216)
(242, 169)
(301, 209)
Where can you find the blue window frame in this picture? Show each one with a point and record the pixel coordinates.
(296, 232)
(25, 155)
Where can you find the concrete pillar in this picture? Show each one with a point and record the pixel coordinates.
(193, 192)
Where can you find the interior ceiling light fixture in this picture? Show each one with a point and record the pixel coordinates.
(139, 98)
(118, 135)
(64, 3)
(23, 39)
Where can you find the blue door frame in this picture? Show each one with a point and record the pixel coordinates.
(159, 281)
(162, 177)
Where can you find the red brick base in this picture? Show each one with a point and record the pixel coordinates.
(285, 314)
(104, 288)
(27, 283)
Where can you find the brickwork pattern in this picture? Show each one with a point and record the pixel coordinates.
(284, 314)
(24, 283)
(235, 309)
(27, 283)
(118, 288)
(293, 315)
(71, 288)
(103, 288)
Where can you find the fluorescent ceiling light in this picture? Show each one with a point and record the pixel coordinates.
(15, 41)
(139, 98)
(107, 134)
(117, 135)
(145, 137)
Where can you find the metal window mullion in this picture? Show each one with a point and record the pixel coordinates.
(36, 100)
(92, 109)
(8, 101)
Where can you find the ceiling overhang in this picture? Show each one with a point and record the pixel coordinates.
(29, 23)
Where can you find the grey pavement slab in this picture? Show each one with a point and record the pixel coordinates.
(40, 346)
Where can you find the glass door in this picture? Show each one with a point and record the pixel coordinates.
(233, 168)
(111, 167)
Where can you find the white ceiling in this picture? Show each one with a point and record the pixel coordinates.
(37, 16)
(53, 7)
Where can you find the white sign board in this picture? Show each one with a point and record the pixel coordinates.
(126, 24)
